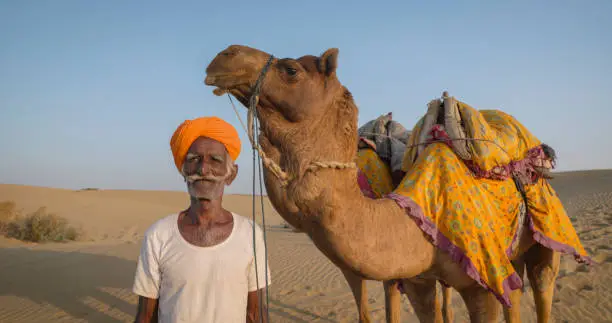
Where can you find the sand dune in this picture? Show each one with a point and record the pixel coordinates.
(118, 214)
(90, 280)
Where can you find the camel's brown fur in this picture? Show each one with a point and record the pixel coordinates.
(307, 115)
(290, 212)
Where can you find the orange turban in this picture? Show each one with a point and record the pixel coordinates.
(211, 127)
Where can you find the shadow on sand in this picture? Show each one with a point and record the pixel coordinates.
(89, 287)
(280, 310)
(86, 286)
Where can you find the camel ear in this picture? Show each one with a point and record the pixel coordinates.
(328, 62)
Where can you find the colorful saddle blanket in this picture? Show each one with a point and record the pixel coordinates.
(469, 210)
(492, 143)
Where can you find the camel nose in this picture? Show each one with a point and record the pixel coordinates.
(222, 59)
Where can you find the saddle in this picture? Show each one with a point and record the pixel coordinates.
(492, 143)
(387, 137)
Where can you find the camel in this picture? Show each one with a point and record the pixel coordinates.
(307, 115)
(290, 212)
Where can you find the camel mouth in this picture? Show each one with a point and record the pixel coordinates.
(220, 91)
(223, 83)
(212, 79)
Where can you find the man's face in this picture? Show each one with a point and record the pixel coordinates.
(207, 169)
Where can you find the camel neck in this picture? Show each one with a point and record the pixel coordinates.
(362, 234)
(321, 193)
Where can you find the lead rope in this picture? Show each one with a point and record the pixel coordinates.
(252, 123)
(263, 217)
(255, 146)
(265, 238)
(255, 242)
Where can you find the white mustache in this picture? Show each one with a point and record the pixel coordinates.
(211, 178)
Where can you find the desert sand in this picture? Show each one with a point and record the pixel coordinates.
(90, 280)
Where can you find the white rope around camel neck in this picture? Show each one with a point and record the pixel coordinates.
(272, 166)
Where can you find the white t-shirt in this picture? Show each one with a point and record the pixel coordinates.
(200, 284)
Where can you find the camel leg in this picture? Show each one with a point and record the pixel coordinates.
(542, 270)
(447, 310)
(424, 300)
(360, 293)
(393, 301)
(513, 314)
(481, 304)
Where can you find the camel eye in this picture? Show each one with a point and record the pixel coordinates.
(291, 71)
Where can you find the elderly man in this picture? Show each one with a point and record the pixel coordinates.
(199, 265)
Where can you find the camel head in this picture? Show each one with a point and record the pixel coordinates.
(292, 87)
(302, 106)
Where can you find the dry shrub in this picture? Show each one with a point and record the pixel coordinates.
(8, 213)
(89, 189)
(39, 226)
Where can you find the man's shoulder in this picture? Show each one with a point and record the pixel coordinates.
(163, 225)
(246, 225)
(241, 219)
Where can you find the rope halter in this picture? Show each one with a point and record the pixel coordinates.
(272, 166)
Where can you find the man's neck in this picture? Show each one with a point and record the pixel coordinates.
(203, 212)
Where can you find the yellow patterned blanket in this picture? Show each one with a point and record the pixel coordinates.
(493, 144)
(476, 218)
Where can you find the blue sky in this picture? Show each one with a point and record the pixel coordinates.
(91, 91)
